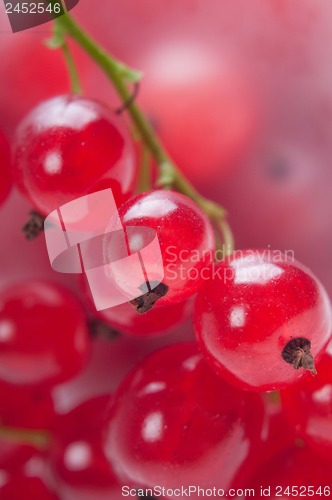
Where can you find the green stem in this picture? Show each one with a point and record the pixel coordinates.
(170, 176)
(224, 228)
(38, 438)
(116, 72)
(144, 183)
(72, 70)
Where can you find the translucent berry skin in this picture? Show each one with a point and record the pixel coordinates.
(21, 486)
(296, 468)
(255, 303)
(69, 146)
(22, 409)
(44, 334)
(185, 235)
(77, 455)
(5, 168)
(124, 318)
(26, 408)
(175, 420)
(308, 406)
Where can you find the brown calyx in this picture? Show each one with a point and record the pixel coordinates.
(34, 226)
(99, 329)
(145, 302)
(297, 353)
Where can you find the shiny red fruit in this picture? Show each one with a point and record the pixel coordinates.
(70, 146)
(43, 333)
(201, 109)
(26, 408)
(261, 315)
(125, 319)
(22, 409)
(176, 422)
(14, 454)
(21, 486)
(5, 168)
(308, 405)
(185, 236)
(294, 472)
(77, 454)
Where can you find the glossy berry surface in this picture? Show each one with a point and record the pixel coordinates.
(13, 454)
(27, 408)
(5, 168)
(77, 455)
(294, 469)
(124, 318)
(70, 146)
(185, 236)
(22, 486)
(259, 308)
(175, 420)
(43, 332)
(308, 405)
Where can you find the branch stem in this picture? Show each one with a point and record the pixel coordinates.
(169, 176)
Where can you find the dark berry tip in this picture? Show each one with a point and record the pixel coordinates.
(297, 353)
(99, 329)
(146, 301)
(34, 226)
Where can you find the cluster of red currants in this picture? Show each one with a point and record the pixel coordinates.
(193, 414)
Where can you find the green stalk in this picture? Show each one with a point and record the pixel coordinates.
(38, 438)
(119, 74)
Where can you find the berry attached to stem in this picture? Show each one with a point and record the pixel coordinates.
(145, 302)
(297, 353)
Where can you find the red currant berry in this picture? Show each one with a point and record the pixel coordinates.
(277, 433)
(25, 408)
(77, 455)
(185, 236)
(261, 315)
(5, 171)
(124, 318)
(69, 146)
(20, 486)
(308, 405)
(14, 454)
(294, 472)
(43, 334)
(174, 420)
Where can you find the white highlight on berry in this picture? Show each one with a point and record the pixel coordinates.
(77, 456)
(3, 478)
(136, 242)
(7, 330)
(153, 427)
(323, 395)
(156, 207)
(260, 273)
(237, 317)
(64, 112)
(191, 363)
(154, 387)
(53, 163)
